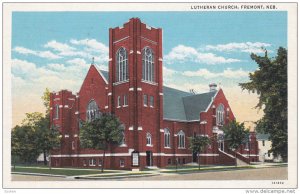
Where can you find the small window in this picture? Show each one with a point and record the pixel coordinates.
(125, 102)
(179, 161)
(149, 139)
(122, 163)
(84, 162)
(145, 100)
(73, 145)
(151, 101)
(56, 114)
(123, 138)
(169, 161)
(92, 162)
(183, 161)
(263, 142)
(269, 155)
(119, 101)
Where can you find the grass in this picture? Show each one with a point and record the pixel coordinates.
(57, 171)
(186, 167)
(195, 170)
(116, 175)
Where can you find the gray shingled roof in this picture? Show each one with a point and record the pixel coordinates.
(173, 104)
(197, 103)
(180, 105)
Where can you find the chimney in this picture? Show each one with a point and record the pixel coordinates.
(212, 87)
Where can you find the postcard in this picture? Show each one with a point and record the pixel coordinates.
(150, 95)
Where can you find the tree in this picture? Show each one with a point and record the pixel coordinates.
(34, 135)
(198, 144)
(235, 135)
(100, 133)
(24, 144)
(270, 83)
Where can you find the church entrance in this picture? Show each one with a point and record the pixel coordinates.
(149, 158)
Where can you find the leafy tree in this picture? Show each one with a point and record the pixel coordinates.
(34, 135)
(101, 132)
(47, 138)
(24, 144)
(235, 135)
(270, 83)
(198, 144)
(46, 101)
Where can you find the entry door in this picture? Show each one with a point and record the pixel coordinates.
(148, 158)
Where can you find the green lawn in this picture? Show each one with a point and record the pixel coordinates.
(57, 171)
(117, 175)
(195, 169)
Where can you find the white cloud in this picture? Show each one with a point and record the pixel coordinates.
(183, 53)
(227, 73)
(61, 47)
(91, 44)
(23, 50)
(168, 72)
(42, 54)
(57, 66)
(248, 47)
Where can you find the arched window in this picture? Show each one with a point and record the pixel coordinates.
(149, 139)
(56, 113)
(181, 139)
(92, 111)
(148, 64)
(220, 114)
(122, 65)
(167, 137)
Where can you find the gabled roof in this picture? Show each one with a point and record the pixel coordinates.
(197, 103)
(180, 105)
(173, 104)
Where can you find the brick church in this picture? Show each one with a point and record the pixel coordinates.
(157, 120)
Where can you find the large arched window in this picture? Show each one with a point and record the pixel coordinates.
(220, 114)
(148, 65)
(92, 111)
(181, 139)
(167, 137)
(149, 139)
(122, 65)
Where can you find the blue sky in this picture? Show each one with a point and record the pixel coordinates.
(54, 49)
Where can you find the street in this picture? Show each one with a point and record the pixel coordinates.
(274, 173)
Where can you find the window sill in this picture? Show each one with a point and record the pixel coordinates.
(167, 147)
(151, 106)
(120, 82)
(149, 82)
(125, 105)
(92, 165)
(145, 106)
(118, 106)
(181, 148)
(148, 145)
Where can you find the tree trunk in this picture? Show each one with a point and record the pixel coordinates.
(103, 161)
(49, 160)
(198, 160)
(235, 159)
(45, 158)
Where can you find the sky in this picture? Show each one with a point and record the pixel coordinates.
(55, 50)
